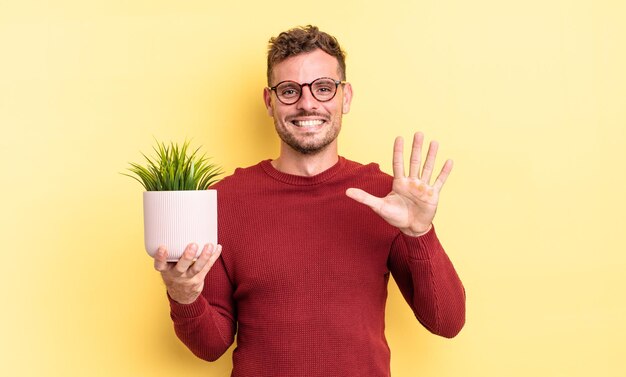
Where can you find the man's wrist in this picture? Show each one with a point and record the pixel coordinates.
(183, 300)
(195, 309)
(411, 233)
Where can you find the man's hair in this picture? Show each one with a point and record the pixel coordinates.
(301, 40)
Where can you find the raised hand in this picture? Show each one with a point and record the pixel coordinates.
(412, 203)
(185, 279)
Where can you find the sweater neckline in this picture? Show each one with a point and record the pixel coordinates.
(299, 180)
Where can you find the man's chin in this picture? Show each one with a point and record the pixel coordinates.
(308, 143)
(309, 150)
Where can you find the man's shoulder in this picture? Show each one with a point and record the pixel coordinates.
(245, 178)
(240, 176)
(371, 169)
(368, 177)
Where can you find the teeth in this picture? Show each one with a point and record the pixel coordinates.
(308, 123)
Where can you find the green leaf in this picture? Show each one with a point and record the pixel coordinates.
(173, 168)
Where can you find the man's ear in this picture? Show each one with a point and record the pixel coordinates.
(267, 98)
(347, 98)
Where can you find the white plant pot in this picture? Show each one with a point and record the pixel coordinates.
(177, 218)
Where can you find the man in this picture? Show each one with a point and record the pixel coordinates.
(302, 279)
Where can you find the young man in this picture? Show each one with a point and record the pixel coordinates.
(310, 239)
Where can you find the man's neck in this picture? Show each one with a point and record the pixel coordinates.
(307, 165)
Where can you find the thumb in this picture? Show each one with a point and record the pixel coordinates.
(364, 198)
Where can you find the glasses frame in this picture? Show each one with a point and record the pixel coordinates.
(337, 83)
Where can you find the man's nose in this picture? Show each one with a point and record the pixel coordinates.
(307, 101)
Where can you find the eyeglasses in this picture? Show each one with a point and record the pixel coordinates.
(322, 89)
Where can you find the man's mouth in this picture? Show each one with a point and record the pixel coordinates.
(307, 123)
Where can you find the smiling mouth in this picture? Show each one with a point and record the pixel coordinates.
(307, 123)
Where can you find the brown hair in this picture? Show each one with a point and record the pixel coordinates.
(301, 40)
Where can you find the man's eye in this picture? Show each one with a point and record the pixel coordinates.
(324, 87)
(289, 92)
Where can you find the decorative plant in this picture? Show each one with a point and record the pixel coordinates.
(174, 169)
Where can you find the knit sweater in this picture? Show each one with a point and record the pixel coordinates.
(302, 279)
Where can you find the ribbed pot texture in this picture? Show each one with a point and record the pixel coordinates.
(177, 218)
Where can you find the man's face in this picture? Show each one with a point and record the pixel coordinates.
(308, 126)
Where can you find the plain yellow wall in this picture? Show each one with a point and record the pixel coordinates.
(528, 98)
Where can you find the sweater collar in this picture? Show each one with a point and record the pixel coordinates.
(299, 180)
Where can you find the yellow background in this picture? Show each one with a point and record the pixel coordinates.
(528, 98)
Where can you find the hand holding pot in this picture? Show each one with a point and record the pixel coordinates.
(185, 279)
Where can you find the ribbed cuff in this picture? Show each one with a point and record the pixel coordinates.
(195, 309)
(424, 246)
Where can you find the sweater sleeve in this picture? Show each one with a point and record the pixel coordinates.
(207, 326)
(429, 283)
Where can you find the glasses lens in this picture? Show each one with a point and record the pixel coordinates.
(323, 89)
(288, 92)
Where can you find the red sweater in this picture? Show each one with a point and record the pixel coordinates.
(303, 275)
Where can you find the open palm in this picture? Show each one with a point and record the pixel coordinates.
(412, 203)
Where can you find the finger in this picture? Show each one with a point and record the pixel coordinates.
(364, 198)
(214, 254)
(160, 259)
(429, 164)
(416, 155)
(202, 260)
(398, 158)
(217, 251)
(186, 259)
(443, 175)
